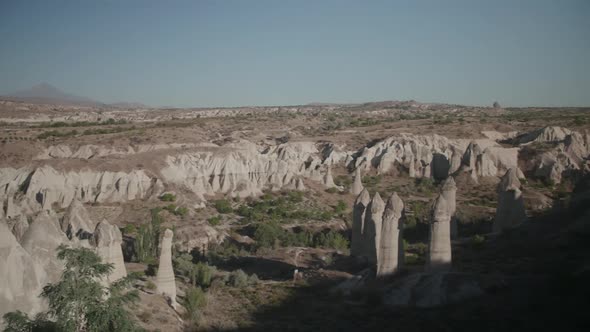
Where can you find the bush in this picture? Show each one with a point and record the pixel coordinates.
(331, 239)
(168, 197)
(150, 285)
(194, 300)
(267, 234)
(477, 241)
(238, 278)
(332, 190)
(223, 206)
(129, 229)
(340, 207)
(214, 221)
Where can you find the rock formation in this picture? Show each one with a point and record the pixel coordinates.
(372, 231)
(165, 281)
(76, 222)
(328, 179)
(107, 239)
(41, 241)
(19, 226)
(439, 249)
(357, 245)
(510, 211)
(391, 244)
(357, 184)
(21, 277)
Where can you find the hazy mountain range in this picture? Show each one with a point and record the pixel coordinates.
(45, 93)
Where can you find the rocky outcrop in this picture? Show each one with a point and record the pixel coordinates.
(372, 231)
(328, 179)
(107, 240)
(357, 245)
(546, 134)
(435, 156)
(357, 184)
(510, 211)
(19, 226)
(439, 248)
(21, 277)
(76, 222)
(391, 244)
(41, 241)
(197, 237)
(46, 187)
(165, 282)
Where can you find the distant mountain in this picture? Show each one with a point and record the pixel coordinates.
(45, 93)
(128, 105)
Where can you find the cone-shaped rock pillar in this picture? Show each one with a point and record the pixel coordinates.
(391, 248)
(358, 223)
(357, 184)
(510, 211)
(165, 277)
(373, 224)
(439, 246)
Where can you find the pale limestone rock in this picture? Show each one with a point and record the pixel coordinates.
(41, 241)
(328, 179)
(76, 222)
(197, 237)
(107, 240)
(510, 211)
(300, 185)
(357, 245)
(439, 249)
(391, 243)
(165, 281)
(21, 277)
(18, 226)
(546, 134)
(373, 225)
(357, 184)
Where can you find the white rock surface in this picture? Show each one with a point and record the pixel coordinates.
(107, 240)
(391, 244)
(165, 281)
(21, 277)
(510, 211)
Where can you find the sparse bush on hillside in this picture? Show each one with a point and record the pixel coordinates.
(223, 206)
(240, 279)
(194, 300)
(168, 197)
(214, 221)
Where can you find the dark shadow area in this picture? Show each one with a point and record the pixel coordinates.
(541, 271)
(266, 269)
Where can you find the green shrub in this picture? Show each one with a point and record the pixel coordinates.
(267, 234)
(223, 206)
(477, 241)
(168, 197)
(129, 229)
(194, 300)
(332, 190)
(150, 285)
(340, 207)
(238, 278)
(214, 221)
(331, 239)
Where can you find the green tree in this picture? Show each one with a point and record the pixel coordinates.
(148, 237)
(79, 302)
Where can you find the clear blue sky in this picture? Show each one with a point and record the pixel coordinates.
(229, 53)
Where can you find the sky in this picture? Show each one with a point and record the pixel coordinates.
(238, 53)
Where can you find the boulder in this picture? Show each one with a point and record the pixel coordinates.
(165, 281)
(391, 243)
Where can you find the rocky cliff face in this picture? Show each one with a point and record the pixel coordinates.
(510, 211)
(30, 262)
